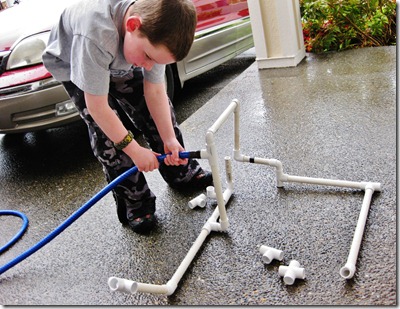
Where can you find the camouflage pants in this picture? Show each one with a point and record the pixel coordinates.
(127, 100)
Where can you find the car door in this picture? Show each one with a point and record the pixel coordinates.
(211, 13)
(223, 31)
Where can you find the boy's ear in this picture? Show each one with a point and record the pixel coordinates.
(133, 22)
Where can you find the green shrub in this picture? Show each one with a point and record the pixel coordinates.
(334, 25)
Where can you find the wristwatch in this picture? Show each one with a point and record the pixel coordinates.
(125, 142)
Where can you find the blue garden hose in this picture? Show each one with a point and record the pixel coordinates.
(22, 230)
(82, 210)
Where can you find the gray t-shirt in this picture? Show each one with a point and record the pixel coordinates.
(86, 46)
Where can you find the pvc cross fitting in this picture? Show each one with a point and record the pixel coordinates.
(270, 253)
(292, 272)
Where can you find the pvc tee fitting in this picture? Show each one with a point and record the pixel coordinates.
(270, 253)
(292, 272)
(198, 201)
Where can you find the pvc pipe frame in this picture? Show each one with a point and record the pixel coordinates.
(347, 272)
(212, 224)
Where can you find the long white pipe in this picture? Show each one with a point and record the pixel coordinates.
(282, 177)
(217, 181)
(348, 270)
(213, 160)
(224, 116)
(331, 182)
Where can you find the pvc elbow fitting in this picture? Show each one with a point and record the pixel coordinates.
(198, 201)
(238, 156)
(292, 272)
(375, 186)
(270, 254)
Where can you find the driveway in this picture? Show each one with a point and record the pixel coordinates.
(332, 116)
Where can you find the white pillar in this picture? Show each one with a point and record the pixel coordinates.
(277, 32)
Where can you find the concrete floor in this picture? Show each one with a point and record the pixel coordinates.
(332, 116)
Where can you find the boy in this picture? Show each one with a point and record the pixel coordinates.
(110, 56)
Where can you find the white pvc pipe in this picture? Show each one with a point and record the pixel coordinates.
(211, 192)
(222, 197)
(329, 182)
(348, 270)
(282, 177)
(213, 161)
(271, 162)
(129, 286)
(292, 272)
(200, 200)
(228, 170)
(270, 254)
(188, 258)
(229, 179)
(223, 117)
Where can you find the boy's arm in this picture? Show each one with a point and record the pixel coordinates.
(158, 104)
(111, 125)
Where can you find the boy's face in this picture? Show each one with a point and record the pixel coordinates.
(139, 51)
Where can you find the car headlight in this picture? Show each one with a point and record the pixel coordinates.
(28, 51)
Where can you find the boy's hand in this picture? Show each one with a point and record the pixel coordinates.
(174, 147)
(144, 158)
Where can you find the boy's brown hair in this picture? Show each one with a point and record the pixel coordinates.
(171, 23)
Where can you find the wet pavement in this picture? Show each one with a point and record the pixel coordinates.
(332, 116)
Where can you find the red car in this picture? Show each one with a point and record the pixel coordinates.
(31, 99)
